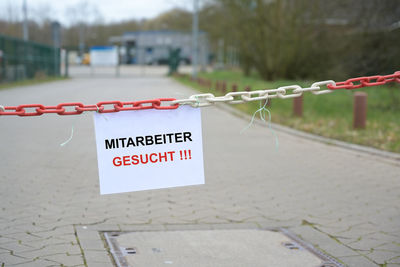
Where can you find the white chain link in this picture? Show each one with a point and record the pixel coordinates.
(202, 100)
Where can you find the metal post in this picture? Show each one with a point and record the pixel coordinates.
(81, 41)
(66, 74)
(16, 59)
(25, 28)
(220, 64)
(195, 33)
(235, 60)
(118, 64)
(298, 106)
(360, 110)
(2, 60)
(56, 36)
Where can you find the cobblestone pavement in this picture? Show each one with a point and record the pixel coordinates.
(344, 202)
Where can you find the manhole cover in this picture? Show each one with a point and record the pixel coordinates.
(214, 248)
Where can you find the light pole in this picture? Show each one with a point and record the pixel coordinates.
(81, 40)
(195, 33)
(25, 23)
(55, 30)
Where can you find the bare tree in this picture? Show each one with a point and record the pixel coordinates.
(279, 38)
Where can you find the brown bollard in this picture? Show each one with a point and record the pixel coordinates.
(360, 110)
(223, 87)
(234, 87)
(217, 86)
(298, 106)
(247, 88)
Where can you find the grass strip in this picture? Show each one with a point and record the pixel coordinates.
(328, 115)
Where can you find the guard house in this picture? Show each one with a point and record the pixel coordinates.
(152, 47)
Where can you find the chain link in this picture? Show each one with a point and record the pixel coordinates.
(201, 100)
(360, 82)
(322, 83)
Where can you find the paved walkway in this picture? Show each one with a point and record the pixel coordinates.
(344, 202)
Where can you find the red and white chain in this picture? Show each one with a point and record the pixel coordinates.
(201, 100)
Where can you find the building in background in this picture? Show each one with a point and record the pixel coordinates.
(152, 47)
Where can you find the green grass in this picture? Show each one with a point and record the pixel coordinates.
(328, 115)
(28, 82)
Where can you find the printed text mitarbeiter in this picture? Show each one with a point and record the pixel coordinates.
(148, 140)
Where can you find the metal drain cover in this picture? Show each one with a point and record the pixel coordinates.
(214, 248)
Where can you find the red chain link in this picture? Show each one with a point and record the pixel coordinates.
(360, 82)
(79, 108)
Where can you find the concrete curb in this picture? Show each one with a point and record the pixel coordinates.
(358, 148)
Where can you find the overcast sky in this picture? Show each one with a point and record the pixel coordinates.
(109, 10)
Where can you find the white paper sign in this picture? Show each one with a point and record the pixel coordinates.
(149, 149)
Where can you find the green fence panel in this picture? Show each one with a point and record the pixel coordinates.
(21, 59)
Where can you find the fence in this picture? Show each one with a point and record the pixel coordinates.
(21, 59)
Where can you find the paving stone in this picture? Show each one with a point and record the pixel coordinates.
(97, 257)
(46, 199)
(9, 259)
(367, 244)
(53, 249)
(323, 241)
(395, 260)
(67, 260)
(17, 247)
(357, 261)
(92, 244)
(98, 264)
(35, 263)
(381, 256)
